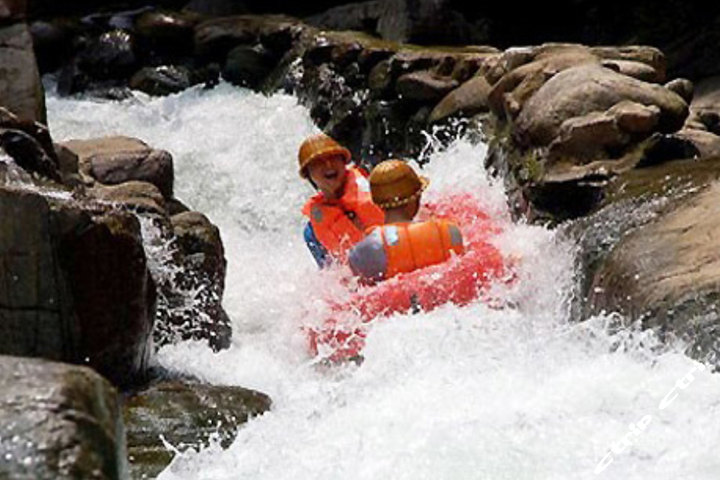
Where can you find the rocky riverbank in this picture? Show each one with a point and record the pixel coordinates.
(600, 141)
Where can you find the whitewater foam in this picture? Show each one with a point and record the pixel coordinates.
(474, 392)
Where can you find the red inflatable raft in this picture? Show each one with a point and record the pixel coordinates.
(460, 280)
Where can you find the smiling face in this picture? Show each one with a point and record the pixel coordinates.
(328, 174)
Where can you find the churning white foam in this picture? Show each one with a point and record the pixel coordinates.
(473, 392)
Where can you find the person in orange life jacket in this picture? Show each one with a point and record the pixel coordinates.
(342, 209)
(401, 245)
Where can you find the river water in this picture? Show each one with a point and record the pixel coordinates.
(458, 393)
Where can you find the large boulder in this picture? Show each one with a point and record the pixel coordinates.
(76, 287)
(110, 56)
(58, 422)
(166, 33)
(142, 197)
(424, 85)
(162, 80)
(215, 38)
(21, 91)
(248, 66)
(28, 153)
(583, 89)
(468, 99)
(186, 415)
(118, 159)
(201, 256)
(667, 274)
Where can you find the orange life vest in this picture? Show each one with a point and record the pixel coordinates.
(411, 246)
(332, 220)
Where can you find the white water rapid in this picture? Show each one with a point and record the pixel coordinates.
(458, 393)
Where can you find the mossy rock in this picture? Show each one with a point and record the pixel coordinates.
(186, 415)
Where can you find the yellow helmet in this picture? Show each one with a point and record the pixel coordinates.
(317, 146)
(393, 183)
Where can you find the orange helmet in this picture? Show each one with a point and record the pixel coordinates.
(393, 184)
(317, 146)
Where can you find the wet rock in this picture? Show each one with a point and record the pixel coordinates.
(21, 91)
(385, 129)
(166, 33)
(186, 415)
(58, 422)
(138, 196)
(666, 274)
(215, 38)
(632, 198)
(28, 153)
(114, 160)
(424, 86)
(468, 99)
(162, 80)
(76, 287)
(67, 160)
(380, 78)
(201, 255)
(581, 90)
(71, 80)
(248, 66)
(114, 295)
(38, 131)
(109, 57)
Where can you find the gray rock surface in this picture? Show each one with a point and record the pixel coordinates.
(58, 422)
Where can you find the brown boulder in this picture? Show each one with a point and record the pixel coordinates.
(188, 416)
(21, 91)
(76, 287)
(424, 85)
(587, 137)
(528, 79)
(201, 254)
(468, 99)
(635, 118)
(583, 89)
(115, 160)
(667, 273)
(215, 38)
(641, 71)
(58, 422)
(650, 56)
(138, 196)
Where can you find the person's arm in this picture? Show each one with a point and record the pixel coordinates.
(319, 253)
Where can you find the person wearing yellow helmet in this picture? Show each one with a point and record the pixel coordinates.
(401, 245)
(342, 209)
